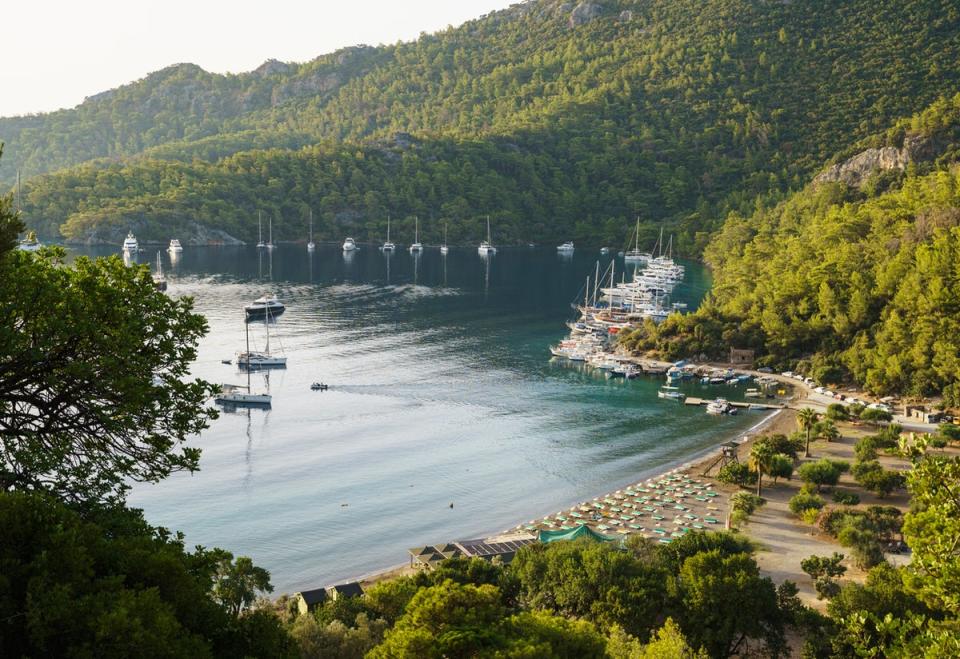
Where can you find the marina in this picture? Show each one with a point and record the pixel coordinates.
(438, 393)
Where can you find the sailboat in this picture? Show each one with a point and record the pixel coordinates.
(388, 246)
(635, 255)
(255, 359)
(443, 248)
(416, 247)
(260, 242)
(158, 279)
(30, 243)
(486, 247)
(235, 394)
(270, 244)
(311, 245)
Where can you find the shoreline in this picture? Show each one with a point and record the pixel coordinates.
(687, 463)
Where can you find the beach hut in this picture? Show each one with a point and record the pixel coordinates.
(352, 589)
(309, 600)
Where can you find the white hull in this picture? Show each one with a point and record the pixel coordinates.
(388, 247)
(444, 249)
(260, 361)
(244, 398)
(416, 247)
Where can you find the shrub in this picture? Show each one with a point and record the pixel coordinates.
(866, 449)
(823, 566)
(781, 466)
(820, 473)
(875, 416)
(863, 543)
(736, 473)
(846, 497)
(826, 588)
(809, 516)
(855, 410)
(837, 412)
(876, 479)
(804, 501)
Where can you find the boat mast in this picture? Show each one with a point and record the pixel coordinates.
(416, 229)
(596, 284)
(586, 295)
(488, 228)
(271, 232)
(636, 242)
(388, 227)
(246, 326)
(18, 192)
(311, 225)
(259, 227)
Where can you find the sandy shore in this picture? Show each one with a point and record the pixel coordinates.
(612, 507)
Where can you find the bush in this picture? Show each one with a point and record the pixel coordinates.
(864, 545)
(803, 502)
(865, 449)
(809, 516)
(781, 466)
(855, 410)
(875, 416)
(837, 412)
(736, 473)
(826, 588)
(876, 479)
(820, 473)
(846, 497)
(823, 566)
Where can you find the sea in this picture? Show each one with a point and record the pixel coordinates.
(445, 419)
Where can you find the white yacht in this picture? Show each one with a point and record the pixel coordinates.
(237, 394)
(260, 243)
(719, 406)
(486, 247)
(255, 359)
(565, 247)
(130, 244)
(175, 246)
(30, 243)
(671, 393)
(267, 306)
(635, 255)
(388, 246)
(310, 244)
(349, 245)
(416, 247)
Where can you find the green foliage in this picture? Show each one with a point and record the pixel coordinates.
(821, 473)
(823, 566)
(735, 473)
(453, 620)
(594, 581)
(875, 416)
(316, 640)
(876, 479)
(111, 585)
(837, 412)
(742, 505)
(932, 529)
(667, 643)
(691, 544)
(94, 367)
(682, 114)
(865, 449)
(803, 501)
(781, 466)
(237, 583)
(950, 431)
(845, 497)
(726, 602)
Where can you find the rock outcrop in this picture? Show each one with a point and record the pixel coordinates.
(856, 170)
(584, 13)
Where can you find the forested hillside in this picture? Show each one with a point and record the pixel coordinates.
(677, 111)
(849, 282)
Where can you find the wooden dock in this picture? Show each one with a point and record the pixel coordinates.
(690, 400)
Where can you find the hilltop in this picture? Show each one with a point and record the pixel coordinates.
(558, 120)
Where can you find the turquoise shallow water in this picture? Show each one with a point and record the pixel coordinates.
(442, 392)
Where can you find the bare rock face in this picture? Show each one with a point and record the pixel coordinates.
(272, 67)
(855, 171)
(584, 13)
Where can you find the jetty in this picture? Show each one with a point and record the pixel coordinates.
(690, 400)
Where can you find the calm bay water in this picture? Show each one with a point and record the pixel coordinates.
(442, 392)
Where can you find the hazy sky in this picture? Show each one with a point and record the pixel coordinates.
(54, 53)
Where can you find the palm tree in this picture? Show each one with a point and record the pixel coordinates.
(760, 455)
(805, 419)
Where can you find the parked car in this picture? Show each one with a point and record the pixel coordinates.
(764, 369)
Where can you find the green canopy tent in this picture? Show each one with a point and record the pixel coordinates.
(581, 531)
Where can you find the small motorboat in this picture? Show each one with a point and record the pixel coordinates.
(226, 361)
(319, 386)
